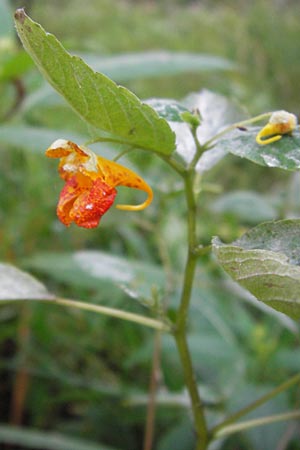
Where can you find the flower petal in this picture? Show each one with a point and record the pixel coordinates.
(84, 201)
(116, 175)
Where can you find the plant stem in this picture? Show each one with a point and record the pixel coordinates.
(150, 422)
(236, 125)
(137, 318)
(180, 333)
(235, 428)
(254, 405)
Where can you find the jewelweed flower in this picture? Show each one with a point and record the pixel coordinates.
(90, 185)
(281, 122)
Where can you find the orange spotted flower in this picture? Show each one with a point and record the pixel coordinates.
(281, 122)
(90, 185)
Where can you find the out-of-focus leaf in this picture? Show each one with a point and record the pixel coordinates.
(15, 65)
(168, 109)
(155, 64)
(102, 104)
(44, 439)
(180, 437)
(89, 268)
(291, 200)
(34, 138)
(267, 437)
(216, 111)
(18, 285)
(247, 206)
(185, 143)
(6, 23)
(266, 262)
(284, 154)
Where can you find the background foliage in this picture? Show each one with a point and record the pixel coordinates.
(87, 376)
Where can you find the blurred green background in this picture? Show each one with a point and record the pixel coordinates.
(85, 376)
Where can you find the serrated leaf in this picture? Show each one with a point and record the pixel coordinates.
(18, 285)
(88, 268)
(266, 261)
(284, 154)
(98, 100)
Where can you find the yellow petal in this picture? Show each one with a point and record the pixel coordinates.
(268, 130)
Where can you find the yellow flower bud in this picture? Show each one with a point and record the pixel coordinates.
(281, 122)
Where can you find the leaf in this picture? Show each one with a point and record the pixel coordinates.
(32, 438)
(18, 285)
(266, 261)
(284, 154)
(216, 111)
(6, 24)
(34, 138)
(168, 109)
(97, 99)
(131, 66)
(248, 206)
(90, 268)
(15, 65)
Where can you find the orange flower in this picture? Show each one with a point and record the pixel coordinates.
(90, 184)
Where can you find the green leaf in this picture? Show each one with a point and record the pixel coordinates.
(168, 109)
(247, 206)
(284, 154)
(18, 285)
(6, 23)
(98, 100)
(266, 262)
(133, 66)
(216, 111)
(33, 138)
(15, 65)
(88, 268)
(32, 438)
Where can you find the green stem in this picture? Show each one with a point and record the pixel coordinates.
(142, 320)
(236, 125)
(230, 429)
(180, 333)
(254, 405)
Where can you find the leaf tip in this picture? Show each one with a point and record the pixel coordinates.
(20, 15)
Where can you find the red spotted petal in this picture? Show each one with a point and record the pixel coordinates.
(84, 201)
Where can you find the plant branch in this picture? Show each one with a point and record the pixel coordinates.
(181, 324)
(142, 320)
(235, 428)
(254, 405)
